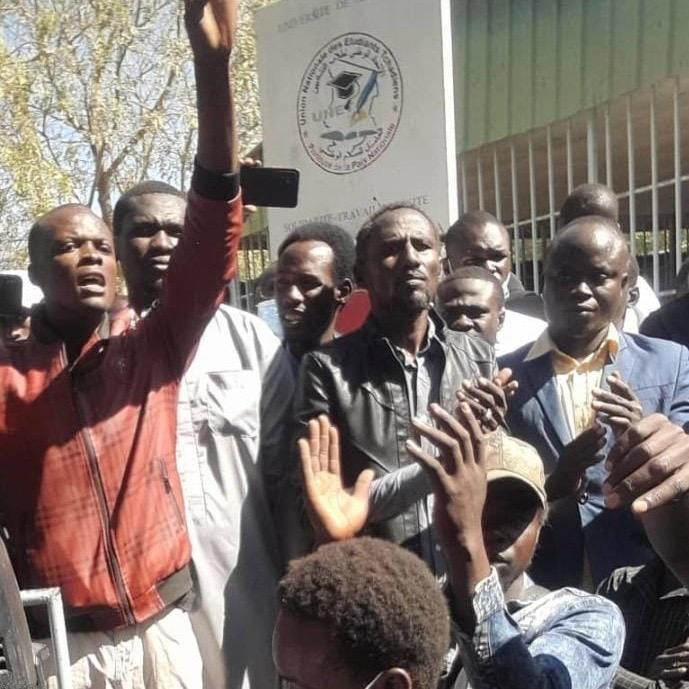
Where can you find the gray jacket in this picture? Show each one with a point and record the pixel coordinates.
(233, 404)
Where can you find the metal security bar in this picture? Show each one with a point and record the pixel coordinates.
(551, 188)
(632, 175)
(533, 208)
(637, 144)
(252, 260)
(58, 630)
(496, 182)
(677, 171)
(654, 189)
(608, 148)
(516, 244)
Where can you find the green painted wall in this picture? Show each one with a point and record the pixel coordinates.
(520, 64)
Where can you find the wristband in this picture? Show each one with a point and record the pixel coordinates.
(217, 186)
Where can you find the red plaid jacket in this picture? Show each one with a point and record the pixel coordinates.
(89, 492)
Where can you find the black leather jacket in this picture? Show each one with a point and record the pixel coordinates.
(358, 381)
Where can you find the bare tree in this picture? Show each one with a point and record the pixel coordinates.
(94, 97)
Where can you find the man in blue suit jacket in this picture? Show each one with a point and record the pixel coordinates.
(580, 385)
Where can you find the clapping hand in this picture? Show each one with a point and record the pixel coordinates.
(619, 406)
(458, 473)
(648, 465)
(577, 456)
(488, 399)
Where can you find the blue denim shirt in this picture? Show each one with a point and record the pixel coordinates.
(567, 639)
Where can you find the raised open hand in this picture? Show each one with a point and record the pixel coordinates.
(458, 473)
(210, 26)
(336, 512)
(577, 456)
(460, 488)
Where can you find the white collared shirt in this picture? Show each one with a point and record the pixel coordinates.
(517, 330)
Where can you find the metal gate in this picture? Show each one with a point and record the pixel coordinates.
(637, 144)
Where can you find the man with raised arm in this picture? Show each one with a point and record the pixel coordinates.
(233, 404)
(91, 498)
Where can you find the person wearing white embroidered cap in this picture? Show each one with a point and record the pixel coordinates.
(515, 459)
(515, 509)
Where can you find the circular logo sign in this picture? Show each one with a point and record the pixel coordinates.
(349, 103)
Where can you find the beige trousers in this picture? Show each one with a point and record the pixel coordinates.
(161, 653)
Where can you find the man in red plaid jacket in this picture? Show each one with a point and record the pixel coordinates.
(90, 497)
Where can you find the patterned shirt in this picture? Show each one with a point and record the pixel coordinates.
(656, 620)
(112, 536)
(566, 639)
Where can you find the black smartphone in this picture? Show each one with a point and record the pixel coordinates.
(269, 186)
(10, 295)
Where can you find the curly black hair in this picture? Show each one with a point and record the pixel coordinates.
(376, 221)
(471, 221)
(125, 204)
(590, 199)
(37, 232)
(337, 238)
(381, 603)
(475, 273)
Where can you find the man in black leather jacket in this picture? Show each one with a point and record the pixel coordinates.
(373, 382)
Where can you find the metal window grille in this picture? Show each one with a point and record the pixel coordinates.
(252, 260)
(637, 144)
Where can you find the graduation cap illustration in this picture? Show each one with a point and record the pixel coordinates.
(344, 84)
